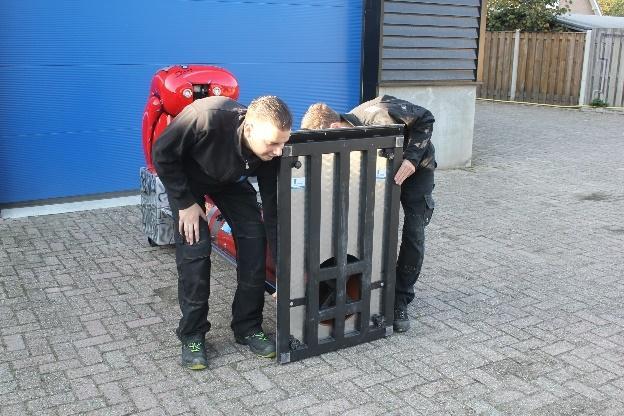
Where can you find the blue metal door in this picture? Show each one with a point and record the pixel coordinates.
(75, 77)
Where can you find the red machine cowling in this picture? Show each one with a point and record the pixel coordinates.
(175, 87)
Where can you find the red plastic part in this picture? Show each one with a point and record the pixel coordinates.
(153, 110)
(160, 126)
(175, 87)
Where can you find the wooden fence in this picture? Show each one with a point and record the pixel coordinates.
(548, 67)
(497, 64)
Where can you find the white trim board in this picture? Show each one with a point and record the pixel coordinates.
(69, 207)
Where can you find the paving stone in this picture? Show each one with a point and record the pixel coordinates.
(81, 407)
(296, 403)
(113, 393)
(14, 342)
(259, 380)
(264, 398)
(84, 388)
(12, 410)
(89, 342)
(143, 398)
(144, 322)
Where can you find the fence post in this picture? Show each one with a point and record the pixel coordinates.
(514, 66)
(585, 70)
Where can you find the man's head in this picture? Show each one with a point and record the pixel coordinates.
(322, 116)
(267, 126)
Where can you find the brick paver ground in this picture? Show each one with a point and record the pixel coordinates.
(520, 306)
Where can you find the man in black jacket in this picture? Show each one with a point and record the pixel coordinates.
(415, 176)
(211, 148)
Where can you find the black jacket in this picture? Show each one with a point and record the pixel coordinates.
(418, 123)
(202, 149)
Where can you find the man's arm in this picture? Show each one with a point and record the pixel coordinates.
(169, 151)
(419, 130)
(419, 127)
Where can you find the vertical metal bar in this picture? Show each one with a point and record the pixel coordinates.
(594, 70)
(619, 92)
(367, 221)
(371, 41)
(341, 211)
(612, 71)
(584, 77)
(604, 62)
(480, 46)
(283, 257)
(514, 66)
(391, 236)
(313, 202)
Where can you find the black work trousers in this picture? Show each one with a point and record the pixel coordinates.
(238, 205)
(418, 208)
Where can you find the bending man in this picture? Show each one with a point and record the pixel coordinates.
(211, 148)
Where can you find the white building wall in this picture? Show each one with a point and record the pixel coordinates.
(453, 108)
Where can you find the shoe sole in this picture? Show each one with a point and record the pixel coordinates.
(259, 354)
(400, 329)
(195, 367)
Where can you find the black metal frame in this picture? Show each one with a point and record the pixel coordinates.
(312, 145)
(371, 39)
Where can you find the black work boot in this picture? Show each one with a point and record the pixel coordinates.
(259, 344)
(194, 353)
(401, 320)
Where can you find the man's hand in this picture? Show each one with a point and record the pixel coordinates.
(406, 170)
(188, 226)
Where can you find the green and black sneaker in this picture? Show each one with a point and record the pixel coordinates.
(194, 353)
(259, 344)
(401, 320)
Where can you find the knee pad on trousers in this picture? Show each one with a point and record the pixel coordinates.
(186, 253)
(250, 230)
(193, 263)
(194, 291)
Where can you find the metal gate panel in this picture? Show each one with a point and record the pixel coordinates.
(606, 76)
(337, 239)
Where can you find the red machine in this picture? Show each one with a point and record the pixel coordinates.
(175, 87)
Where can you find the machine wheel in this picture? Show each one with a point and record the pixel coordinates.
(151, 242)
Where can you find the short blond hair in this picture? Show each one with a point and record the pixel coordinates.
(272, 109)
(319, 116)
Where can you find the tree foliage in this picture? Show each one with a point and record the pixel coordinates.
(612, 7)
(526, 15)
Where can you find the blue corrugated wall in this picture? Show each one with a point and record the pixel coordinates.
(74, 76)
